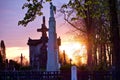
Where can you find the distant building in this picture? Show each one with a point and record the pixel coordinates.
(3, 51)
(38, 49)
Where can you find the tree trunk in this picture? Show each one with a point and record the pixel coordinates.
(89, 52)
(95, 54)
(104, 55)
(89, 28)
(115, 36)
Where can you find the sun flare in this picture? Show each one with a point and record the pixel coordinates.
(75, 51)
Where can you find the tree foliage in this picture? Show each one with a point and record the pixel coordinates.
(80, 8)
(91, 17)
(94, 14)
(33, 9)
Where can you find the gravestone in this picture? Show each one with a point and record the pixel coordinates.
(73, 73)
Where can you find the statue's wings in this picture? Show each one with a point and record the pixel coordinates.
(54, 9)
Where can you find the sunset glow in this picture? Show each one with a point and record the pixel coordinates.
(74, 50)
(14, 52)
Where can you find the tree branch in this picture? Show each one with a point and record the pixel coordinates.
(74, 26)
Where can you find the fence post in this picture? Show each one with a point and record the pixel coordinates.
(73, 73)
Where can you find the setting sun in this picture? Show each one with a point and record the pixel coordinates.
(75, 51)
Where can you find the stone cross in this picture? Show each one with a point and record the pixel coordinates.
(43, 29)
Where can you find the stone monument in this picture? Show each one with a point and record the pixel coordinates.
(73, 73)
(52, 56)
(38, 49)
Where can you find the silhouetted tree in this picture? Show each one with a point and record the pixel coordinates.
(2, 63)
(63, 58)
(93, 15)
(1, 60)
(115, 36)
(34, 9)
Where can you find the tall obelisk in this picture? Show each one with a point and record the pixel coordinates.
(52, 61)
